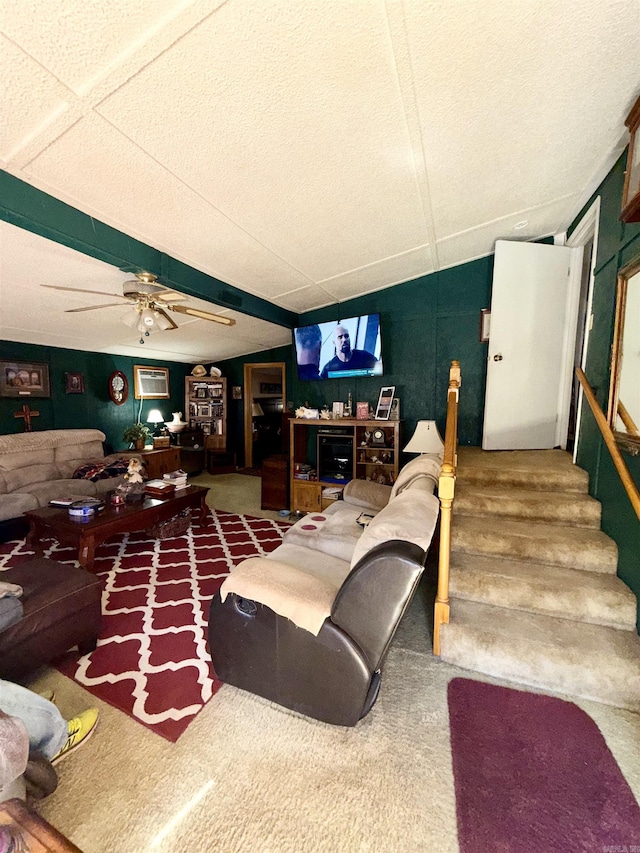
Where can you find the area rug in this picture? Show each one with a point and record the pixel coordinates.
(152, 661)
(533, 773)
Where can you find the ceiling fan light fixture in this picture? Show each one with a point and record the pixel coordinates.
(132, 318)
(162, 322)
(147, 318)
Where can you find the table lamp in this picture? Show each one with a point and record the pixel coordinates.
(426, 439)
(155, 417)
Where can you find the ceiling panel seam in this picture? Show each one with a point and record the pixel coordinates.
(399, 44)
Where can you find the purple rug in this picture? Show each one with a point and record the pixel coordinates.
(533, 774)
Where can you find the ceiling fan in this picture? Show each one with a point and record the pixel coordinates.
(151, 302)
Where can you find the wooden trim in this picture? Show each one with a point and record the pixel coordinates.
(609, 439)
(613, 406)
(446, 492)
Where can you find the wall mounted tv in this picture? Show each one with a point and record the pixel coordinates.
(340, 348)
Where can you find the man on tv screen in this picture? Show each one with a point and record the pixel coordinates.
(308, 344)
(345, 357)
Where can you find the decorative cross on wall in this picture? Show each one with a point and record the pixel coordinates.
(27, 414)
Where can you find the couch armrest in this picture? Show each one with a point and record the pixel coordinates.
(375, 595)
(290, 592)
(366, 494)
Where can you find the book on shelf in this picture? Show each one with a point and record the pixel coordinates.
(331, 493)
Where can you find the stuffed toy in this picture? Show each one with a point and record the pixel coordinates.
(136, 472)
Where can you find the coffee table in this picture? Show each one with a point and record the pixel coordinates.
(56, 523)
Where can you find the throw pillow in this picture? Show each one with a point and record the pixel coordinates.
(411, 516)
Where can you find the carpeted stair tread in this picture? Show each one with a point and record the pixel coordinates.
(545, 470)
(592, 597)
(554, 545)
(579, 510)
(590, 661)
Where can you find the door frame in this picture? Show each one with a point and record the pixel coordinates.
(248, 382)
(586, 229)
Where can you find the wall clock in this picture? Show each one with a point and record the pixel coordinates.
(118, 387)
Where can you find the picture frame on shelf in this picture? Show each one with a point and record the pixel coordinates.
(362, 411)
(338, 410)
(394, 410)
(150, 383)
(384, 402)
(74, 383)
(24, 379)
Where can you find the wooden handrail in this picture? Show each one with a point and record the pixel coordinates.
(609, 439)
(446, 491)
(627, 420)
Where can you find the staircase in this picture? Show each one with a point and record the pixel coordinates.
(533, 588)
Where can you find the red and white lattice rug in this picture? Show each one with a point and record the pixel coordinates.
(152, 661)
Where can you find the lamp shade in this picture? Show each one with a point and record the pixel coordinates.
(155, 416)
(256, 410)
(426, 439)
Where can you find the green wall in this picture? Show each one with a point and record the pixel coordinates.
(425, 324)
(618, 243)
(93, 408)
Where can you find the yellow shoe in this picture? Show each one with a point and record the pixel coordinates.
(79, 730)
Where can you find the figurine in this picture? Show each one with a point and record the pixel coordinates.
(135, 471)
(365, 440)
(325, 414)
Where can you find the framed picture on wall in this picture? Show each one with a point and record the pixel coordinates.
(24, 379)
(74, 383)
(151, 383)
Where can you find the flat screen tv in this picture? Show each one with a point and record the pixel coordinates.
(340, 348)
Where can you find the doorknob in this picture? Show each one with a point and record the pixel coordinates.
(497, 357)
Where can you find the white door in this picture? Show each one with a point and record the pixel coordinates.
(527, 346)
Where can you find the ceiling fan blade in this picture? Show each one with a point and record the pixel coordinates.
(169, 296)
(202, 315)
(93, 307)
(81, 290)
(167, 318)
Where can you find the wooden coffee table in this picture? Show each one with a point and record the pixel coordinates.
(56, 523)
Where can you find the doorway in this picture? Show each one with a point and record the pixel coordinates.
(265, 393)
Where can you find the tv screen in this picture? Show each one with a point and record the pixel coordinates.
(339, 349)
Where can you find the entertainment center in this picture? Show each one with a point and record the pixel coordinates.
(345, 449)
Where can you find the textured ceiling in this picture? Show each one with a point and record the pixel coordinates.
(308, 152)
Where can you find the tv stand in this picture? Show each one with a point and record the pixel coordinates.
(372, 459)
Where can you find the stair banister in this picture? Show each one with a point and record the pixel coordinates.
(609, 439)
(627, 420)
(446, 490)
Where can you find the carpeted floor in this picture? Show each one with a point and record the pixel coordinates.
(249, 776)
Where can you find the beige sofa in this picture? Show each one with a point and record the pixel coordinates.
(329, 544)
(36, 467)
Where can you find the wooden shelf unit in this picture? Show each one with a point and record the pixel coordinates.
(379, 462)
(205, 402)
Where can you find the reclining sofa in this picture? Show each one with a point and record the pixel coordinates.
(309, 625)
(38, 466)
